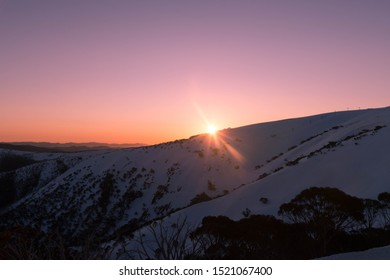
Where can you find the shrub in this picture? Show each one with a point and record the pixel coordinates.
(199, 153)
(160, 192)
(262, 176)
(215, 151)
(211, 186)
(264, 200)
(7, 189)
(107, 187)
(202, 197)
(384, 199)
(372, 208)
(10, 161)
(254, 237)
(247, 212)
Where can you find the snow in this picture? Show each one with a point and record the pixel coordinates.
(232, 161)
(381, 253)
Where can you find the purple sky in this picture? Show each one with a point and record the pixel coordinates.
(153, 71)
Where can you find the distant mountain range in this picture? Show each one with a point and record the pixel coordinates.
(63, 147)
(117, 194)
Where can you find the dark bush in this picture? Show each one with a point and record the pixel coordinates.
(262, 176)
(202, 197)
(211, 186)
(160, 192)
(264, 200)
(384, 199)
(372, 209)
(10, 161)
(107, 187)
(254, 237)
(7, 189)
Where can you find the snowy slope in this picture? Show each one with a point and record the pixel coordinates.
(118, 191)
(358, 165)
(381, 253)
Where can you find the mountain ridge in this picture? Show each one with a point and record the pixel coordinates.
(63, 147)
(118, 192)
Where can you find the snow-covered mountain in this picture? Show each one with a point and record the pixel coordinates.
(256, 168)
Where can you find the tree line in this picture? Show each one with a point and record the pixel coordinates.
(319, 221)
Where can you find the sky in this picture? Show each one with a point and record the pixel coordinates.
(143, 71)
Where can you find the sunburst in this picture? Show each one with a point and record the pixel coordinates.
(211, 129)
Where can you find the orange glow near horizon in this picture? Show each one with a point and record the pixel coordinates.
(142, 72)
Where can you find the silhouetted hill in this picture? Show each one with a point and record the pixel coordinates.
(114, 195)
(63, 147)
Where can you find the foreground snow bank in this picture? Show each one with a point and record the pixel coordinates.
(381, 253)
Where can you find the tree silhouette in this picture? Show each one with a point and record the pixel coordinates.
(326, 211)
(384, 199)
(372, 209)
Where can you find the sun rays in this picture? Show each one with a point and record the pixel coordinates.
(222, 141)
(211, 129)
(219, 140)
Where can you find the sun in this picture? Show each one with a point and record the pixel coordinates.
(211, 129)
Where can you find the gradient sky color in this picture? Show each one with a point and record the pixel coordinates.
(154, 71)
